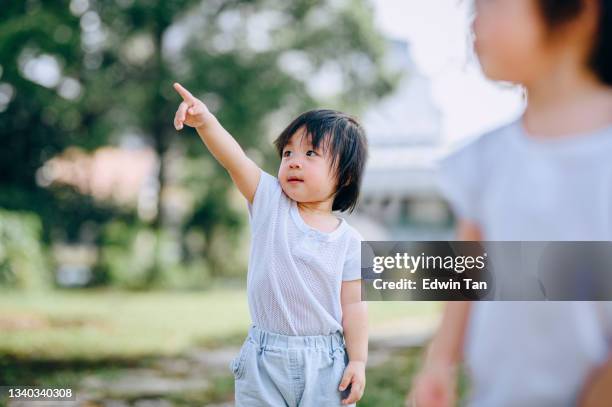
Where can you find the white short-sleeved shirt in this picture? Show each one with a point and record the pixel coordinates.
(517, 187)
(295, 271)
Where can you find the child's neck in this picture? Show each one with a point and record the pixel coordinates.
(567, 101)
(319, 215)
(323, 208)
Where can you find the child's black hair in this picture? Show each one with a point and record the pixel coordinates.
(557, 12)
(345, 139)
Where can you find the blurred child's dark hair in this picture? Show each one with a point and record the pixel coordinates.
(557, 12)
(345, 139)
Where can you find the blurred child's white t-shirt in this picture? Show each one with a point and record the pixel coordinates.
(518, 187)
(295, 271)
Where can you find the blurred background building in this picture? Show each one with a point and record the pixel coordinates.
(400, 199)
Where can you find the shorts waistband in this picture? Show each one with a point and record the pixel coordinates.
(264, 339)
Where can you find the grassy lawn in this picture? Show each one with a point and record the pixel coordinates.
(110, 324)
(57, 337)
(104, 324)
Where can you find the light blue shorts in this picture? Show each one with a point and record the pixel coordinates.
(280, 370)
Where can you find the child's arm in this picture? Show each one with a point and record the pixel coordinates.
(435, 383)
(597, 389)
(192, 112)
(434, 386)
(355, 326)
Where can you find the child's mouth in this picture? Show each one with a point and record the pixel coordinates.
(294, 180)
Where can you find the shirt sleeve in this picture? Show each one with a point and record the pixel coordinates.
(352, 263)
(460, 183)
(266, 199)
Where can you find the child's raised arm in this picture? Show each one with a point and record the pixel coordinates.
(194, 113)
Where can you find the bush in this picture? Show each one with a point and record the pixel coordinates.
(137, 257)
(23, 260)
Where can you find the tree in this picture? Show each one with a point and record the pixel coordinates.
(251, 60)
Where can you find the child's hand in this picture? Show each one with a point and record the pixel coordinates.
(354, 375)
(191, 111)
(433, 387)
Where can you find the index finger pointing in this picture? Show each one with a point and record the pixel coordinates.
(185, 94)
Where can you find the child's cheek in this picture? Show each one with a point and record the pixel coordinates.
(282, 171)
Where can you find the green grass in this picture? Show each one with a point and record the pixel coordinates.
(388, 384)
(112, 324)
(106, 324)
(56, 338)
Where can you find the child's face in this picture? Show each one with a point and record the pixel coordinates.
(511, 40)
(305, 173)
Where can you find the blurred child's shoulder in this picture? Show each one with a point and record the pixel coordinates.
(486, 146)
(490, 140)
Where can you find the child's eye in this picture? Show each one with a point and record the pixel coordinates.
(310, 153)
(286, 153)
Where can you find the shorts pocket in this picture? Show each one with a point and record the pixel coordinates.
(341, 355)
(238, 363)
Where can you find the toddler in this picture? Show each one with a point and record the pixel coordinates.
(308, 342)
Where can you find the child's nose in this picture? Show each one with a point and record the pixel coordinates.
(295, 164)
